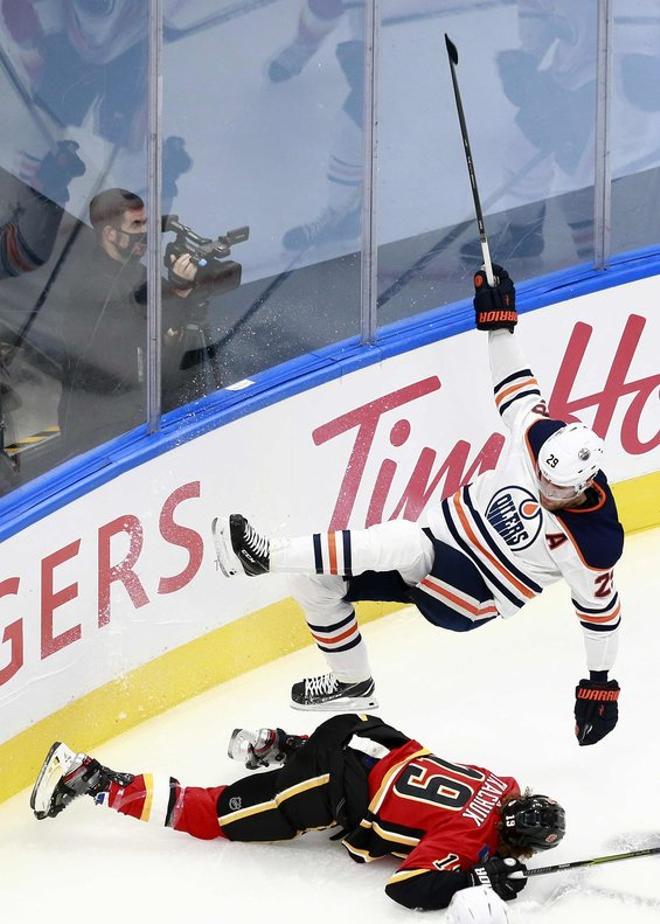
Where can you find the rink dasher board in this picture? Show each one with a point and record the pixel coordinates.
(112, 609)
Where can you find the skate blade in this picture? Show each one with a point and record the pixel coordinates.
(354, 704)
(41, 795)
(220, 528)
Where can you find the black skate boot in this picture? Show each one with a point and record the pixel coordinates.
(264, 747)
(291, 60)
(327, 694)
(66, 775)
(239, 547)
(331, 225)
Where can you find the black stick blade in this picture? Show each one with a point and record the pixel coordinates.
(452, 51)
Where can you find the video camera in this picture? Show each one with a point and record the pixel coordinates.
(208, 254)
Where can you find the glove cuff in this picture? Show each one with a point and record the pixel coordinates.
(598, 692)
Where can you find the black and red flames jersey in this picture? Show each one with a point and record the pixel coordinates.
(439, 817)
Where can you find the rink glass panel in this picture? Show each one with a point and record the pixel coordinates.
(635, 143)
(72, 364)
(256, 133)
(527, 76)
(260, 130)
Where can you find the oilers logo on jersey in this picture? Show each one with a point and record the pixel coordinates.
(516, 515)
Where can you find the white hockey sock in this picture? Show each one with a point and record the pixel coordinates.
(345, 167)
(333, 625)
(317, 19)
(394, 546)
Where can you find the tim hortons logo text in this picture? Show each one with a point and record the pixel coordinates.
(434, 478)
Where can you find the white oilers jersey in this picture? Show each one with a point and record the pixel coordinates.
(498, 522)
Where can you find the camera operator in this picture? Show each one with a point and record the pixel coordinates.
(105, 328)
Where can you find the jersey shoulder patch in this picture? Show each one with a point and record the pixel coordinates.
(595, 528)
(538, 433)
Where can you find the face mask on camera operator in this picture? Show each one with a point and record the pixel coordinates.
(119, 219)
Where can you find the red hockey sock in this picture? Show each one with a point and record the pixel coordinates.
(163, 801)
(196, 812)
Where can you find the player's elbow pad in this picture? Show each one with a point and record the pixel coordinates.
(429, 891)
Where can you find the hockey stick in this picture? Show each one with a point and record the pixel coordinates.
(543, 870)
(452, 53)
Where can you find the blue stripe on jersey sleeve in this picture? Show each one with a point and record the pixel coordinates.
(514, 375)
(600, 628)
(522, 394)
(598, 609)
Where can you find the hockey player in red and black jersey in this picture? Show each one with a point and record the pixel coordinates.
(452, 826)
(544, 513)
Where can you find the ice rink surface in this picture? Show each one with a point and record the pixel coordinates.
(501, 697)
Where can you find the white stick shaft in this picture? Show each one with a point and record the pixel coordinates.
(488, 263)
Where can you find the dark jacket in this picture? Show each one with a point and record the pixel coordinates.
(104, 328)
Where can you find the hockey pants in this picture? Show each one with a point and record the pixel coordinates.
(269, 806)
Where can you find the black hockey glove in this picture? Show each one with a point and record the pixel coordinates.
(596, 709)
(495, 873)
(495, 306)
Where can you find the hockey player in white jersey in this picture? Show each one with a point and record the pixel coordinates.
(544, 513)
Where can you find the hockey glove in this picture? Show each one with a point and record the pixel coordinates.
(495, 873)
(596, 709)
(495, 306)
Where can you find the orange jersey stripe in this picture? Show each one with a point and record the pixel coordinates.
(454, 599)
(332, 549)
(512, 388)
(607, 618)
(525, 591)
(336, 638)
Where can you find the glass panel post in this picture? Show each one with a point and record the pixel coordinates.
(154, 174)
(603, 174)
(369, 267)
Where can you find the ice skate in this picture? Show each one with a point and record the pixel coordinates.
(239, 547)
(331, 225)
(327, 694)
(262, 748)
(66, 775)
(290, 61)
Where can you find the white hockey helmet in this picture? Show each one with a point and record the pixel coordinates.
(571, 457)
(478, 905)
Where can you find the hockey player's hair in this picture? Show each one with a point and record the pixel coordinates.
(506, 849)
(108, 206)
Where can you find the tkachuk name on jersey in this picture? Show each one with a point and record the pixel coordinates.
(516, 515)
(488, 798)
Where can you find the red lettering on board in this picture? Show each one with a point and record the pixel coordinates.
(366, 419)
(123, 571)
(52, 599)
(13, 634)
(563, 406)
(183, 536)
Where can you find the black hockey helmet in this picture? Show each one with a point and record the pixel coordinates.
(533, 822)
